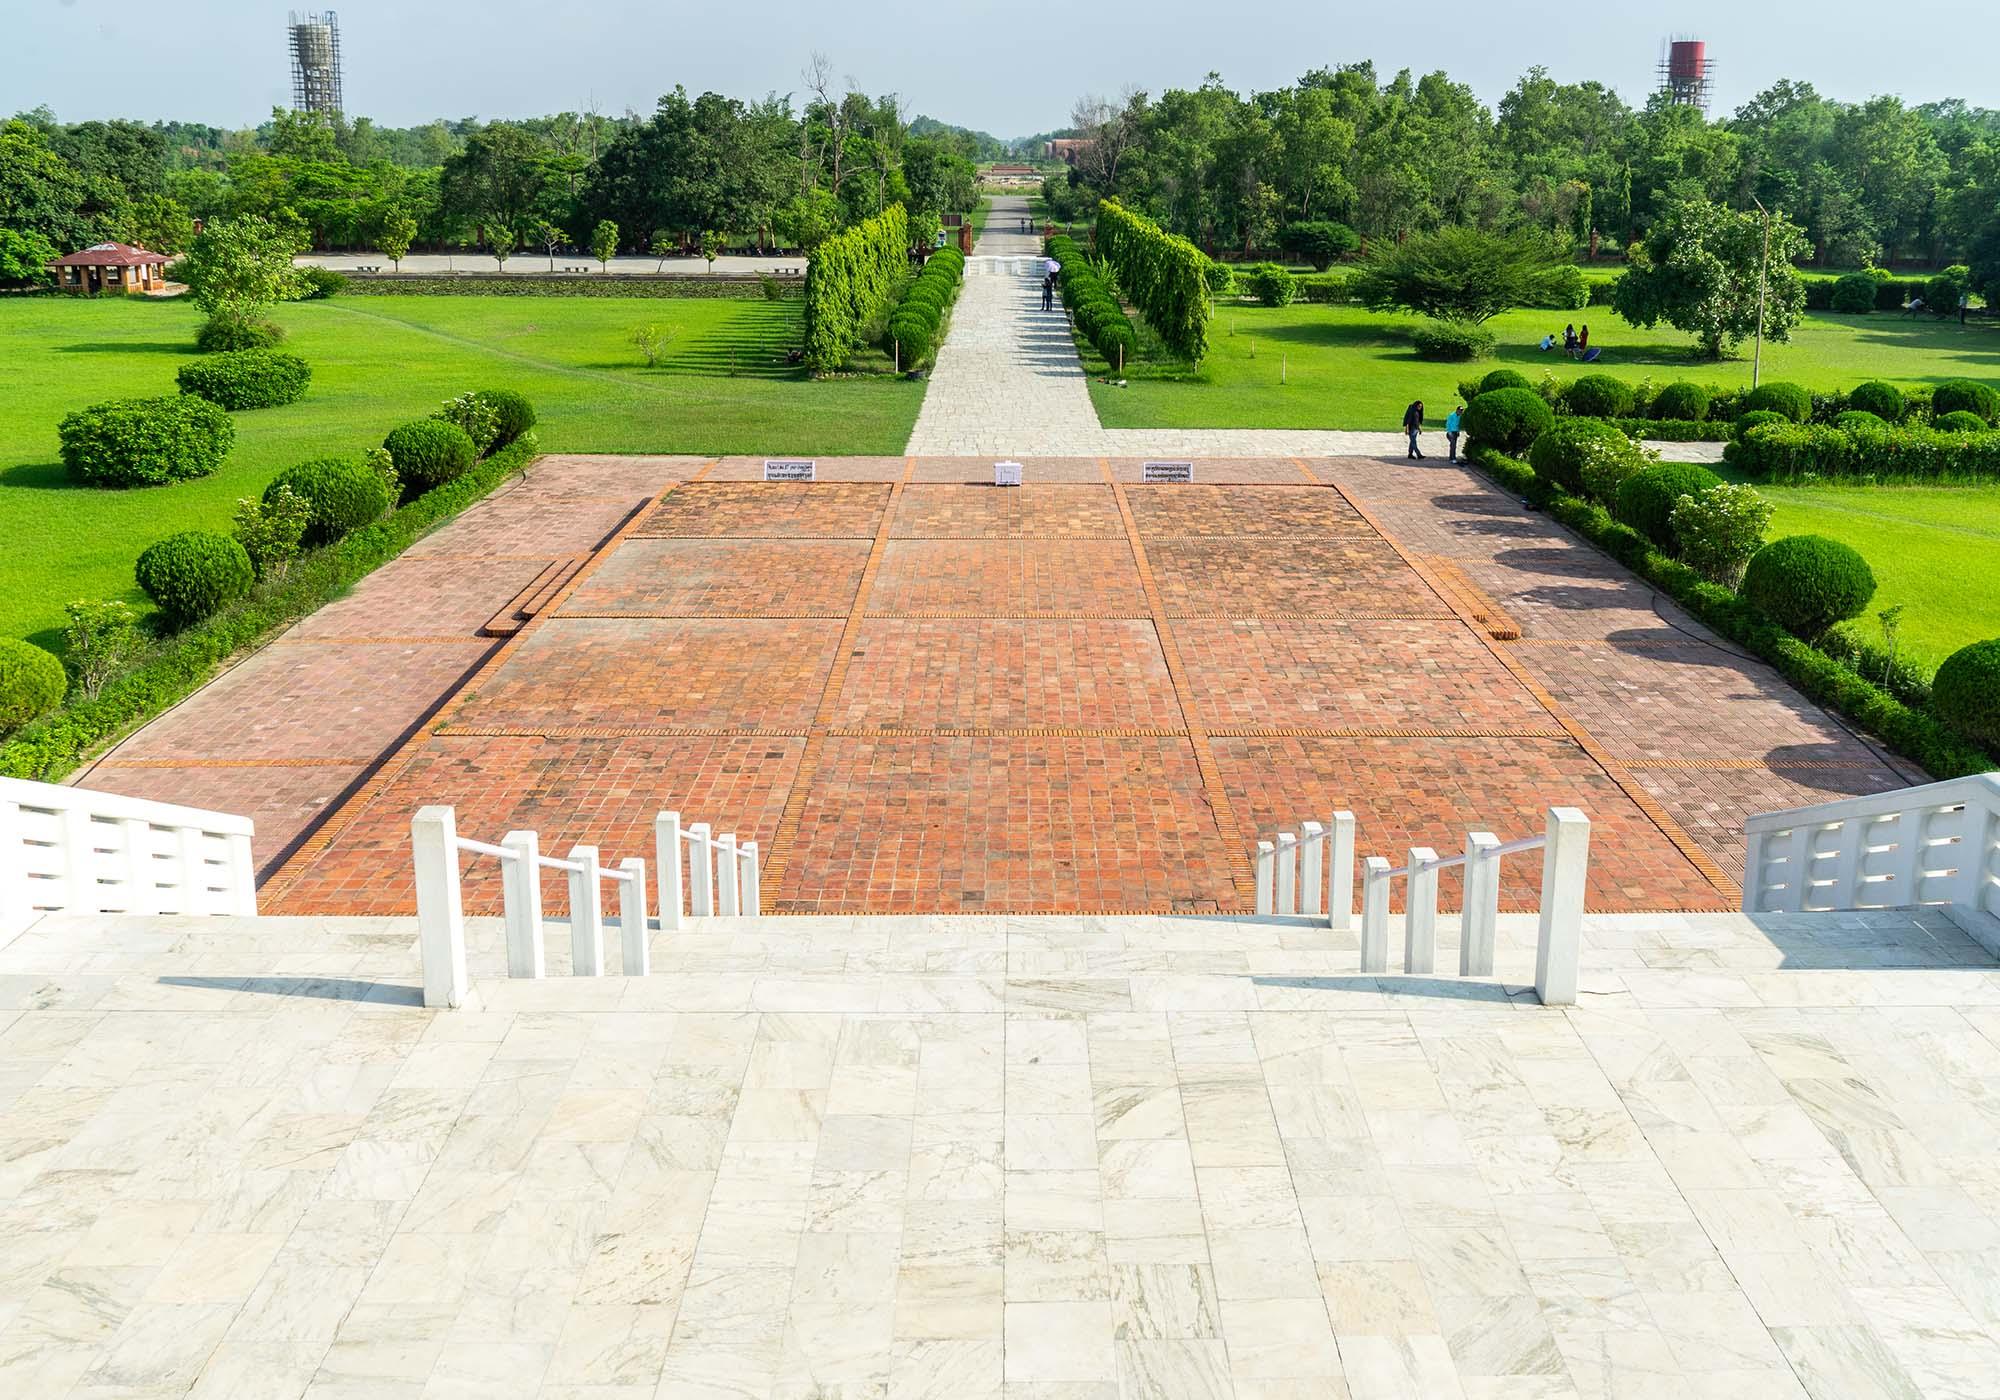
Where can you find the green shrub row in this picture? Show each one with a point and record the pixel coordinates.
(719, 287)
(1860, 292)
(1674, 429)
(242, 379)
(1913, 732)
(1165, 276)
(920, 315)
(1451, 341)
(1092, 305)
(1793, 452)
(848, 280)
(173, 668)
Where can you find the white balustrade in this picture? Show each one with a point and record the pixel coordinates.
(436, 846)
(80, 851)
(1296, 868)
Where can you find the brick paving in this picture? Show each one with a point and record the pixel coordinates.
(724, 578)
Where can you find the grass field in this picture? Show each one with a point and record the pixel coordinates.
(377, 361)
(1344, 367)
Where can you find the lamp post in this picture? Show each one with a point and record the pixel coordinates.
(1763, 281)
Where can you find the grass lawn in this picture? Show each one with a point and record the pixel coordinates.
(378, 361)
(1933, 549)
(1345, 367)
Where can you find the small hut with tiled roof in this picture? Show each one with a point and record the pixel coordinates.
(110, 267)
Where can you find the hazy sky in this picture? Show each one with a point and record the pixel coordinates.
(1010, 68)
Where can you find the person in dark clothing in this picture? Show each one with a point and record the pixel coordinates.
(1569, 340)
(1413, 422)
(1583, 341)
(1048, 291)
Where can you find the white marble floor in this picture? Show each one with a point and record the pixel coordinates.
(1000, 1159)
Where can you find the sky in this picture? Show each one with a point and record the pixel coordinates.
(1009, 68)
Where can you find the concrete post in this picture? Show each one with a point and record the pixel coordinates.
(1312, 868)
(1288, 872)
(440, 916)
(701, 872)
(242, 877)
(521, 901)
(1340, 869)
(1375, 915)
(667, 867)
(632, 933)
(142, 896)
(586, 915)
(15, 910)
(752, 901)
(726, 874)
(1420, 919)
(1481, 914)
(1267, 866)
(1565, 865)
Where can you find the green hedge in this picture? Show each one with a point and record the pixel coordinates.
(1092, 306)
(847, 282)
(1912, 732)
(724, 287)
(915, 324)
(1165, 276)
(171, 670)
(1792, 452)
(145, 442)
(1674, 429)
(241, 379)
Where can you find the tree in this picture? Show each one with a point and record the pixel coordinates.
(1698, 271)
(500, 175)
(398, 231)
(711, 247)
(549, 236)
(1319, 241)
(161, 224)
(652, 340)
(502, 239)
(604, 243)
(40, 192)
(1457, 273)
(663, 248)
(24, 258)
(239, 268)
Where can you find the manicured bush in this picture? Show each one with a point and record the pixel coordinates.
(1720, 529)
(1788, 452)
(1324, 288)
(910, 335)
(1860, 420)
(1779, 397)
(1675, 429)
(1165, 276)
(511, 411)
(1808, 582)
(1565, 288)
(220, 334)
(1599, 396)
(1681, 400)
(32, 683)
(1885, 401)
(1757, 418)
(1117, 342)
(1960, 421)
(1502, 379)
(1273, 285)
(241, 379)
(1220, 278)
(1558, 453)
(190, 575)
(1966, 692)
(1507, 419)
(1320, 242)
(145, 442)
(1452, 341)
(1853, 294)
(1647, 499)
(1966, 396)
(317, 283)
(341, 494)
(429, 452)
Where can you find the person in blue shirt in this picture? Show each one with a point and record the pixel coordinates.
(1451, 425)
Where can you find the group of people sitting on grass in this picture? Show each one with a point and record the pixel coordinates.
(1576, 344)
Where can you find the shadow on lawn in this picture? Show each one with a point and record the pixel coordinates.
(180, 348)
(37, 476)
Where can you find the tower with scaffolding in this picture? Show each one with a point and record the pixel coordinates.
(1684, 70)
(315, 41)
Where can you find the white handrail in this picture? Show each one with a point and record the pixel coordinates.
(1309, 870)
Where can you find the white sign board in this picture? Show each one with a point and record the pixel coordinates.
(1006, 473)
(790, 468)
(1166, 471)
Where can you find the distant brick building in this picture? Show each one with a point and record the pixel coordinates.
(110, 267)
(1065, 149)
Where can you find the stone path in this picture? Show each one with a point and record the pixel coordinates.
(984, 1159)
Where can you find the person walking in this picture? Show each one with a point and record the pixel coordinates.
(1413, 422)
(1451, 426)
(1049, 292)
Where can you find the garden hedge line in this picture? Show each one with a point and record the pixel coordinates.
(849, 278)
(1790, 452)
(175, 667)
(1673, 429)
(721, 287)
(1911, 732)
(1093, 307)
(915, 322)
(1165, 276)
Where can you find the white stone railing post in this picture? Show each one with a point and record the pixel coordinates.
(521, 901)
(586, 914)
(1288, 872)
(1312, 868)
(440, 915)
(1340, 866)
(667, 865)
(1565, 864)
(752, 899)
(1481, 906)
(16, 908)
(1267, 869)
(1375, 915)
(142, 895)
(632, 934)
(1421, 912)
(726, 874)
(701, 871)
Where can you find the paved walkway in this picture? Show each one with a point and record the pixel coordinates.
(983, 1159)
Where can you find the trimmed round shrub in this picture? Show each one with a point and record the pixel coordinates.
(341, 493)
(1647, 499)
(1117, 342)
(1779, 397)
(1273, 285)
(1220, 278)
(1682, 402)
(1885, 401)
(912, 337)
(514, 414)
(429, 452)
(1508, 419)
(145, 442)
(31, 683)
(192, 574)
(1452, 341)
(317, 283)
(1504, 379)
(1959, 421)
(1966, 396)
(1808, 582)
(1966, 693)
(240, 379)
(1599, 396)
(219, 334)
(1853, 294)
(1756, 418)
(1859, 419)
(1558, 454)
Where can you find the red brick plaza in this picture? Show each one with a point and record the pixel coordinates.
(920, 692)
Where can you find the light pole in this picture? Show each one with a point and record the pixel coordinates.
(1763, 281)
